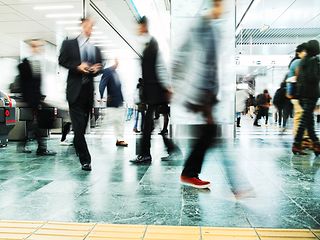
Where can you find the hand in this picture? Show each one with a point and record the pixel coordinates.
(95, 68)
(83, 68)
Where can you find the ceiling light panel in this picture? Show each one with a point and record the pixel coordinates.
(57, 7)
(63, 15)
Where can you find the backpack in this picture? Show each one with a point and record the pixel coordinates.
(279, 97)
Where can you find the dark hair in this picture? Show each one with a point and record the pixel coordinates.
(143, 20)
(299, 49)
(84, 19)
(265, 91)
(313, 48)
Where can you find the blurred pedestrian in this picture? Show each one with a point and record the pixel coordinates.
(30, 82)
(156, 91)
(200, 51)
(115, 110)
(83, 60)
(308, 93)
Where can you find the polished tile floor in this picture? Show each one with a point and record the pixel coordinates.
(286, 187)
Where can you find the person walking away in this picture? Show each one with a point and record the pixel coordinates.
(115, 109)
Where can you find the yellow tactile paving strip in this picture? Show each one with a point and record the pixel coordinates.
(31, 230)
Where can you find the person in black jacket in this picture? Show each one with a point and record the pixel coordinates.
(308, 94)
(30, 83)
(156, 91)
(84, 62)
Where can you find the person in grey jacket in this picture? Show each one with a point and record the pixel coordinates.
(196, 64)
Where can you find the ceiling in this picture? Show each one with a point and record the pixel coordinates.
(20, 21)
(269, 24)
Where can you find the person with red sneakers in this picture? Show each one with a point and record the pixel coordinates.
(203, 85)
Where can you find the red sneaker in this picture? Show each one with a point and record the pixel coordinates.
(194, 182)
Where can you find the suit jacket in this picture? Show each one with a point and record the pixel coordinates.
(70, 59)
(30, 85)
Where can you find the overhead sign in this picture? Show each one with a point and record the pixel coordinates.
(263, 60)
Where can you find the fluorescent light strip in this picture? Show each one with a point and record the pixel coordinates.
(100, 41)
(99, 37)
(62, 15)
(97, 33)
(72, 28)
(53, 7)
(67, 22)
(103, 45)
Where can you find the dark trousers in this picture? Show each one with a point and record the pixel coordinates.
(65, 130)
(32, 128)
(79, 114)
(147, 130)
(193, 164)
(262, 111)
(284, 113)
(306, 121)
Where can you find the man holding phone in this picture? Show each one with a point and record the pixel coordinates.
(83, 60)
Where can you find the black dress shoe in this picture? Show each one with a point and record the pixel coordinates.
(86, 167)
(45, 153)
(141, 159)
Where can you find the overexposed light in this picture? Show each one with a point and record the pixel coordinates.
(99, 37)
(103, 45)
(72, 28)
(53, 7)
(67, 22)
(63, 15)
(100, 41)
(97, 33)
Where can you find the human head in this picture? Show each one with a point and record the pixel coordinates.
(87, 25)
(35, 45)
(313, 48)
(143, 25)
(265, 92)
(301, 50)
(217, 9)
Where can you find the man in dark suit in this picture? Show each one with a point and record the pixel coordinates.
(30, 82)
(156, 91)
(84, 63)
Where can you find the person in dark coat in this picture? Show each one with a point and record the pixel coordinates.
(30, 83)
(308, 94)
(83, 60)
(156, 91)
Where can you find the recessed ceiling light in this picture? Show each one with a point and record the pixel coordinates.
(53, 7)
(68, 22)
(62, 15)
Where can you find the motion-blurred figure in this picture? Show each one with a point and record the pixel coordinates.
(241, 97)
(263, 105)
(156, 91)
(83, 60)
(200, 50)
(141, 107)
(30, 83)
(115, 110)
(308, 94)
